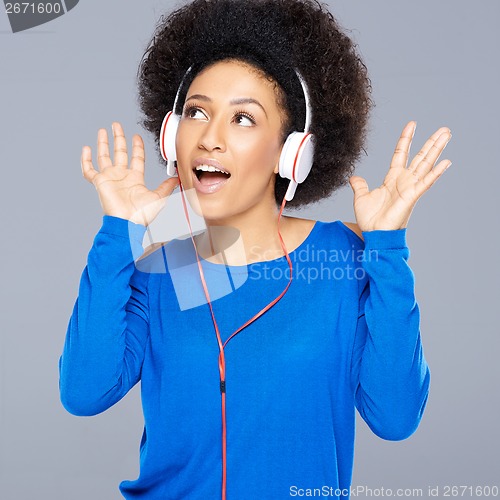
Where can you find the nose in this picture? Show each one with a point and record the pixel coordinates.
(213, 136)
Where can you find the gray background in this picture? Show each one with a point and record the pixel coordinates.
(435, 62)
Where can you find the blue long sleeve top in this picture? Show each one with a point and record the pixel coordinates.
(346, 335)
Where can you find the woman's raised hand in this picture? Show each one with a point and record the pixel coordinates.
(390, 205)
(121, 189)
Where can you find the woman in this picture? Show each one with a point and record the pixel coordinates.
(320, 317)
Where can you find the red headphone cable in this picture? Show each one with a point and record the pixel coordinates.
(222, 363)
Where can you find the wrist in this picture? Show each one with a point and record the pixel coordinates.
(134, 219)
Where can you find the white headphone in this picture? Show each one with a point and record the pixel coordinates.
(296, 156)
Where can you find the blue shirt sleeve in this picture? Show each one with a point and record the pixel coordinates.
(109, 327)
(390, 375)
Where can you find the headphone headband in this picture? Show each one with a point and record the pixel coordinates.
(307, 99)
(180, 87)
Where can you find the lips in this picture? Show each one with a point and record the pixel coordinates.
(209, 176)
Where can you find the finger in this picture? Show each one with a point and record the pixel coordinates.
(120, 150)
(426, 147)
(167, 186)
(432, 155)
(400, 156)
(430, 178)
(88, 170)
(359, 186)
(138, 154)
(103, 158)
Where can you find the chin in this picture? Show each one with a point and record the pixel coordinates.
(209, 207)
(215, 214)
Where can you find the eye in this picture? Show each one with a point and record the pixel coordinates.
(242, 116)
(190, 112)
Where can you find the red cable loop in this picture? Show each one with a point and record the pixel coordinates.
(222, 361)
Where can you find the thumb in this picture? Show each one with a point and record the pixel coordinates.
(359, 186)
(167, 186)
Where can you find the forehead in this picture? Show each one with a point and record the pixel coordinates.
(236, 79)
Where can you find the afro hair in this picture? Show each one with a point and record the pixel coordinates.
(275, 36)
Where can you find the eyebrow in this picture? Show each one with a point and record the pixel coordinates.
(239, 100)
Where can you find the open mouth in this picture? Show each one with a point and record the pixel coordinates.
(208, 175)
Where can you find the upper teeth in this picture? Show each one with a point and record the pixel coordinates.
(209, 168)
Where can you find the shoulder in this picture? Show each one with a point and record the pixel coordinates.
(354, 228)
(150, 249)
(304, 226)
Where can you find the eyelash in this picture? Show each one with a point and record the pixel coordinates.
(189, 108)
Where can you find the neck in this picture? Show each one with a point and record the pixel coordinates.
(244, 238)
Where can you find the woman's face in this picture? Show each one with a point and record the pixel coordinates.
(230, 121)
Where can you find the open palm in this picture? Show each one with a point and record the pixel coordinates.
(390, 205)
(121, 189)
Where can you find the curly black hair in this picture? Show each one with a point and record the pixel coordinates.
(274, 36)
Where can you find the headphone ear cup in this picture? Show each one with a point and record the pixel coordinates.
(168, 134)
(296, 160)
(296, 157)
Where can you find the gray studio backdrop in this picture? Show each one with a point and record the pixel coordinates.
(434, 62)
